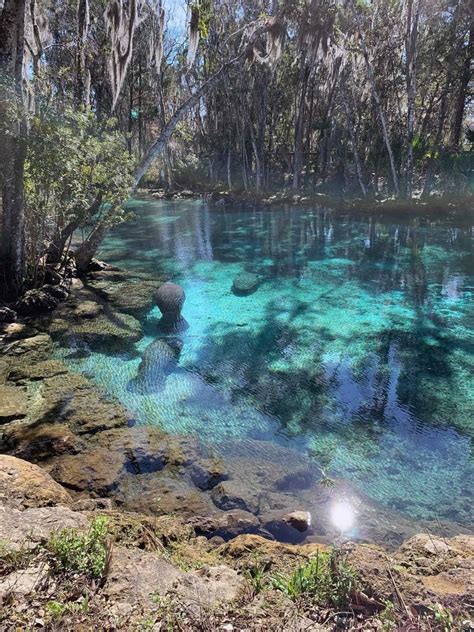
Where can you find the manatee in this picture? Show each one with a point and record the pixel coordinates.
(170, 300)
(159, 359)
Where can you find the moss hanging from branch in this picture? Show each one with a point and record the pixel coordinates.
(121, 27)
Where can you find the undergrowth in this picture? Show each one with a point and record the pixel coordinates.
(83, 552)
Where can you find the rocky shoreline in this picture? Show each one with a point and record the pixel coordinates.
(70, 454)
(459, 207)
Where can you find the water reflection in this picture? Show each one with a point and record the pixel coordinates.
(356, 349)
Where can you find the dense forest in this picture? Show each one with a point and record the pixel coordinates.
(351, 98)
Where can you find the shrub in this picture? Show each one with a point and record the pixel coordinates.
(83, 552)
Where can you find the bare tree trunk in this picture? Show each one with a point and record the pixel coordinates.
(13, 147)
(354, 140)
(299, 125)
(82, 78)
(462, 94)
(380, 112)
(413, 15)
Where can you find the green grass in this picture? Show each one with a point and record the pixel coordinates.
(326, 577)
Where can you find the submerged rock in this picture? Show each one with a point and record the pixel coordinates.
(227, 525)
(86, 317)
(170, 299)
(233, 495)
(129, 292)
(245, 283)
(159, 359)
(13, 403)
(39, 443)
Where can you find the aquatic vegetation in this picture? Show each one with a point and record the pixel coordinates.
(356, 350)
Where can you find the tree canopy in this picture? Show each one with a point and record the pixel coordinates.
(352, 98)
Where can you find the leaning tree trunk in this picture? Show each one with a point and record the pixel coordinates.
(161, 142)
(13, 147)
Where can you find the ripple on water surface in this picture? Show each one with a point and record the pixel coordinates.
(356, 348)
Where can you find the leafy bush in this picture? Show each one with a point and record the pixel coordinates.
(83, 552)
(326, 577)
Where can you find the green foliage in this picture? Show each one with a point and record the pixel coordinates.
(326, 578)
(443, 618)
(83, 552)
(388, 617)
(256, 575)
(56, 610)
(72, 159)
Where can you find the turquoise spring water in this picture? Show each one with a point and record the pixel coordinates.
(356, 348)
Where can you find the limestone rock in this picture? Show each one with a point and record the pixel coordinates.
(161, 494)
(32, 349)
(24, 373)
(291, 527)
(300, 520)
(95, 470)
(86, 316)
(71, 399)
(23, 484)
(23, 582)
(32, 526)
(135, 576)
(207, 473)
(13, 403)
(210, 586)
(129, 292)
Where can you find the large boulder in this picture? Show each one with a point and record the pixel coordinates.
(170, 299)
(159, 359)
(245, 283)
(23, 484)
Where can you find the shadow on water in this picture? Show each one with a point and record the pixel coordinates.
(355, 348)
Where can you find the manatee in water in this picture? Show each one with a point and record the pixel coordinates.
(170, 300)
(159, 359)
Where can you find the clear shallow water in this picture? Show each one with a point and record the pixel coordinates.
(356, 349)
